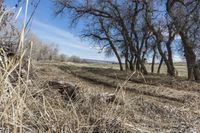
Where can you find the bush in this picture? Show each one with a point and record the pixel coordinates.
(75, 59)
(62, 57)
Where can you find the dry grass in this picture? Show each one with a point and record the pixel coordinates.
(29, 104)
(147, 108)
(181, 67)
(35, 106)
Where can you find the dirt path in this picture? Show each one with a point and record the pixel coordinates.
(54, 73)
(178, 83)
(144, 89)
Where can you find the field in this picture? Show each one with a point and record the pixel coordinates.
(181, 67)
(42, 90)
(152, 103)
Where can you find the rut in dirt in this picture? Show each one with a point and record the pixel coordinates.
(154, 91)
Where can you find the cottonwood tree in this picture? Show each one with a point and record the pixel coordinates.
(162, 29)
(99, 32)
(132, 30)
(186, 17)
(118, 14)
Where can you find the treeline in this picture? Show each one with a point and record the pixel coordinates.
(9, 34)
(133, 30)
(10, 39)
(43, 51)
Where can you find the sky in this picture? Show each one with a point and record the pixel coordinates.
(58, 30)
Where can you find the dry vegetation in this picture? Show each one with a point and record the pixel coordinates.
(105, 100)
(92, 98)
(171, 105)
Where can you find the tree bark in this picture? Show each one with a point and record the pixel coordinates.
(126, 58)
(164, 58)
(159, 37)
(111, 44)
(140, 65)
(160, 64)
(131, 65)
(170, 69)
(196, 72)
(119, 60)
(193, 71)
(134, 63)
(144, 70)
(190, 56)
(131, 62)
(153, 61)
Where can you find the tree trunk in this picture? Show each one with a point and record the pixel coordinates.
(120, 64)
(137, 65)
(126, 58)
(134, 63)
(190, 57)
(117, 55)
(196, 72)
(131, 62)
(131, 66)
(153, 61)
(188, 46)
(159, 38)
(112, 45)
(140, 65)
(170, 69)
(138, 68)
(159, 67)
(144, 70)
(126, 64)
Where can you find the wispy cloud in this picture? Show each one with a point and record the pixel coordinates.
(67, 42)
(59, 36)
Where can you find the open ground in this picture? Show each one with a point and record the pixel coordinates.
(152, 103)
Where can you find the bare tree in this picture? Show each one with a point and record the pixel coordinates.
(100, 33)
(42, 50)
(185, 16)
(164, 34)
(125, 29)
(119, 15)
(9, 35)
(62, 57)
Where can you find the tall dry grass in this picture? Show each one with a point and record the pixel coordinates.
(18, 106)
(13, 88)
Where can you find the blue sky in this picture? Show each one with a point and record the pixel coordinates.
(57, 30)
(52, 29)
